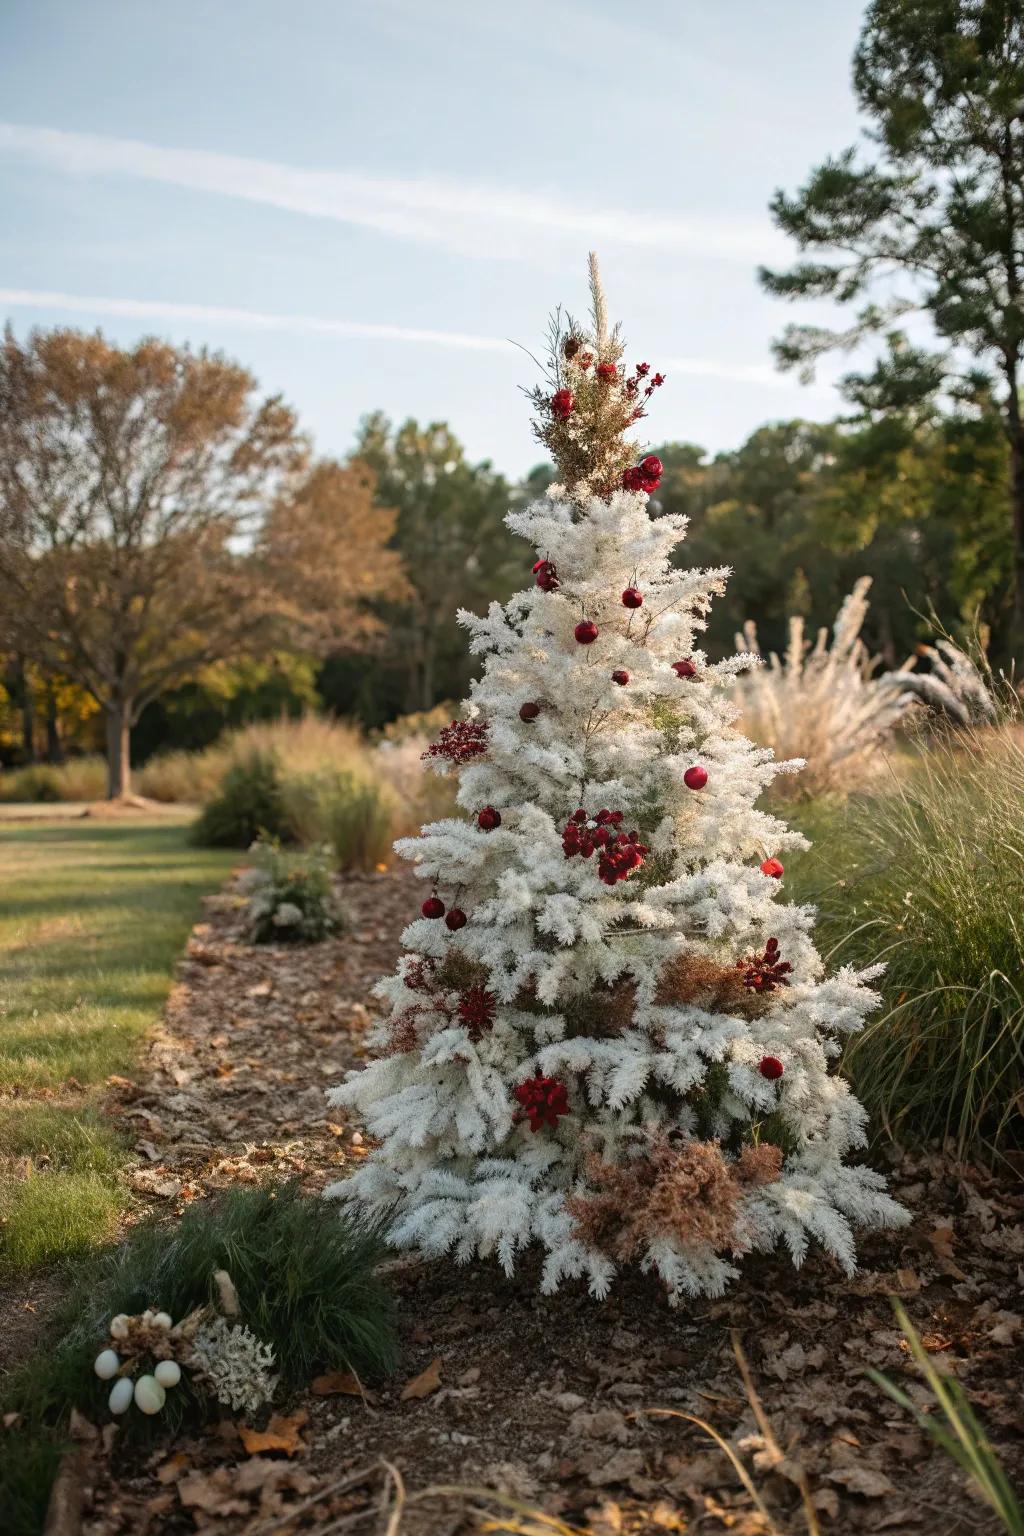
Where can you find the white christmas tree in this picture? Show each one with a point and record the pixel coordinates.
(608, 1035)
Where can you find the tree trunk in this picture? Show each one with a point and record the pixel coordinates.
(28, 712)
(54, 750)
(1015, 433)
(119, 734)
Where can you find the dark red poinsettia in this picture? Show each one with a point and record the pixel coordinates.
(763, 973)
(544, 1100)
(476, 1010)
(619, 852)
(460, 741)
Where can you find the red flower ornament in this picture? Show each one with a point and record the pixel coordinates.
(544, 1100)
(562, 402)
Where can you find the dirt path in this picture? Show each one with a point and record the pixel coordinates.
(542, 1398)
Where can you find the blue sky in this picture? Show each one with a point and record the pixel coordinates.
(362, 201)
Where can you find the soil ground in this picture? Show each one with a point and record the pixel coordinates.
(547, 1401)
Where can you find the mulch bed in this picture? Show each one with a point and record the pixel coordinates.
(545, 1399)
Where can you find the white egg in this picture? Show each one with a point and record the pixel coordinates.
(107, 1364)
(149, 1394)
(168, 1373)
(162, 1320)
(121, 1394)
(119, 1326)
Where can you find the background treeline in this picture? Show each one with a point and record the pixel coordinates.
(801, 510)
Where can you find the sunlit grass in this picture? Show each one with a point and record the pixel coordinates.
(93, 917)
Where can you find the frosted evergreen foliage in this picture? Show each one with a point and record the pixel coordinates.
(604, 1059)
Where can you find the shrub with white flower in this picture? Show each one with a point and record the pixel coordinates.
(290, 896)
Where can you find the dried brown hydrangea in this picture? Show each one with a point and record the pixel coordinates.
(686, 1191)
(700, 980)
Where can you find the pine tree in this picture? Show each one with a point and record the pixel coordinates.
(607, 1034)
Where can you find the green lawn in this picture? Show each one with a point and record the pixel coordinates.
(92, 918)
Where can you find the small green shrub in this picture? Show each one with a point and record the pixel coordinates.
(81, 778)
(38, 782)
(249, 803)
(292, 899)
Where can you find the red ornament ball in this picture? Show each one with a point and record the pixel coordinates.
(586, 632)
(621, 676)
(456, 919)
(488, 819)
(546, 576)
(433, 907)
(695, 777)
(773, 868)
(529, 710)
(770, 1067)
(684, 668)
(632, 598)
(607, 372)
(562, 402)
(652, 470)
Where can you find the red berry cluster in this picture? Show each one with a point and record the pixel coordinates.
(544, 1100)
(636, 386)
(460, 741)
(645, 476)
(619, 852)
(546, 576)
(763, 973)
(476, 1010)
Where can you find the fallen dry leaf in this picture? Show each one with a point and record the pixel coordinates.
(426, 1382)
(170, 1470)
(281, 1434)
(862, 1480)
(212, 1494)
(337, 1384)
(941, 1240)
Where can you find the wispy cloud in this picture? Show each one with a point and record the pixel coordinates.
(244, 319)
(91, 306)
(471, 218)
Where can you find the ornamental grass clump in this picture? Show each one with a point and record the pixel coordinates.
(301, 1275)
(935, 889)
(822, 703)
